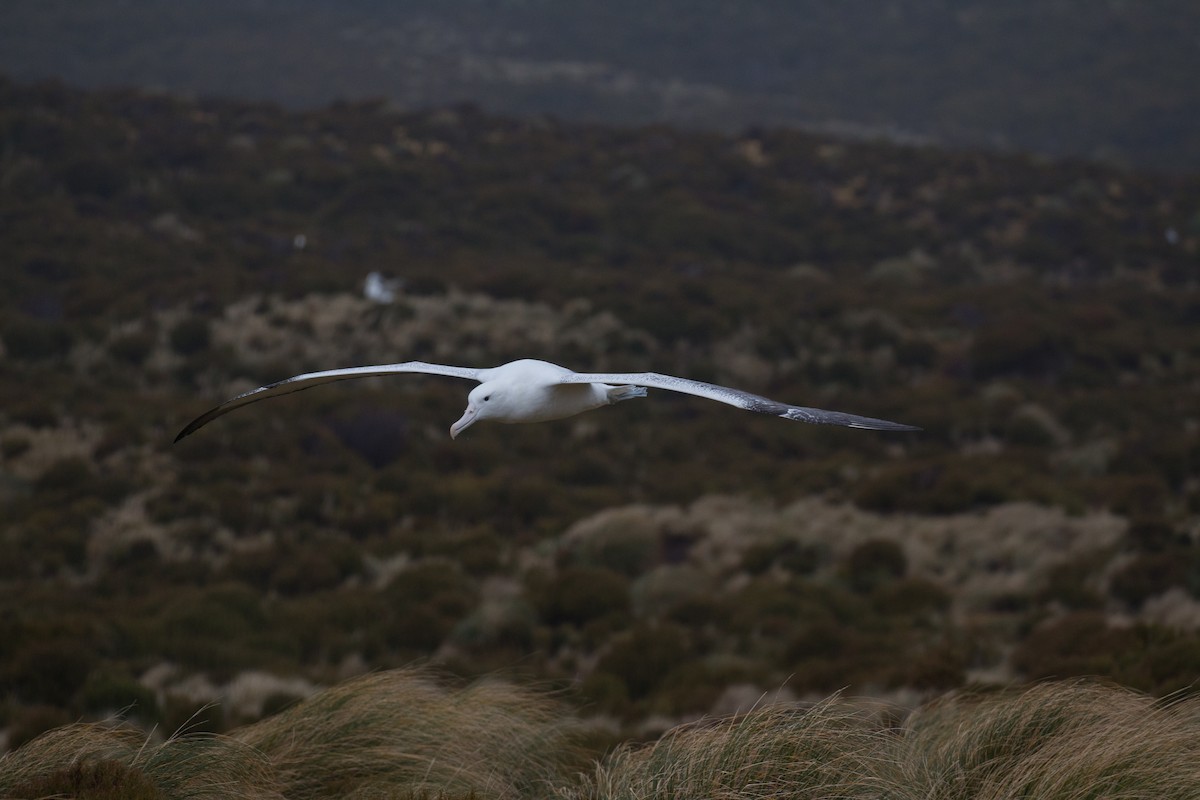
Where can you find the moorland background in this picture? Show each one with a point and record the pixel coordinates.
(793, 199)
(655, 561)
(1106, 79)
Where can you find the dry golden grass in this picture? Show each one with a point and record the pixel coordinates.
(400, 734)
(94, 761)
(1057, 741)
(827, 751)
(1061, 741)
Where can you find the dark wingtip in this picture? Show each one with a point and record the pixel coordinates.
(198, 423)
(188, 431)
(894, 426)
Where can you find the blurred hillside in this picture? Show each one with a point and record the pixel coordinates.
(1110, 79)
(660, 559)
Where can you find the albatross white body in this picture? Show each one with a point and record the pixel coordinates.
(535, 391)
(529, 390)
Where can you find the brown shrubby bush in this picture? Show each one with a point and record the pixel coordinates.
(49, 671)
(1150, 658)
(190, 336)
(874, 563)
(36, 340)
(1152, 574)
(577, 595)
(644, 657)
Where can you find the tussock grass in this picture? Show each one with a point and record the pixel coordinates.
(95, 761)
(400, 734)
(827, 751)
(1058, 741)
(403, 735)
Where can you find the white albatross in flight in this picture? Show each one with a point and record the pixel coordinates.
(528, 390)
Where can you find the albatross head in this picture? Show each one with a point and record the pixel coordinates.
(485, 400)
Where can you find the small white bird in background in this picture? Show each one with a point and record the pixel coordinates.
(379, 289)
(529, 390)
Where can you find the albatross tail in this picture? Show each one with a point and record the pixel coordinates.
(618, 393)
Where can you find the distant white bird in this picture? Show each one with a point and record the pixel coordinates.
(379, 289)
(528, 390)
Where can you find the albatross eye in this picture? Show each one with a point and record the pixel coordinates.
(489, 397)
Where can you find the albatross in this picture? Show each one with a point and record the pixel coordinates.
(528, 390)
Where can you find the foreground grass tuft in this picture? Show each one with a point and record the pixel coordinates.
(1055, 741)
(1058, 741)
(402, 735)
(827, 751)
(98, 763)
(399, 734)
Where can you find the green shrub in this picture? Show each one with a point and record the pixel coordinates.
(692, 687)
(97, 177)
(1170, 663)
(1132, 495)
(1071, 584)
(314, 566)
(14, 447)
(34, 412)
(628, 550)
(605, 693)
(109, 689)
(135, 563)
(644, 656)
(329, 626)
(1148, 575)
(770, 609)
(49, 671)
(177, 502)
(941, 668)
(133, 348)
(190, 336)
(477, 549)
(427, 601)
(874, 563)
(1024, 343)
(1153, 535)
(577, 595)
(911, 597)
(221, 629)
(1081, 643)
(823, 656)
(37, 340)
(65, 475)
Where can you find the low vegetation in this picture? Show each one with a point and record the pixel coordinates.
(404, 735)
(652, 563)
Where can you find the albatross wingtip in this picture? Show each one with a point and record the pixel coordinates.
(196, 424)
(183, 434)
(885, 425)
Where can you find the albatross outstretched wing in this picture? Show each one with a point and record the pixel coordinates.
(737, 398)
(310, 379)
